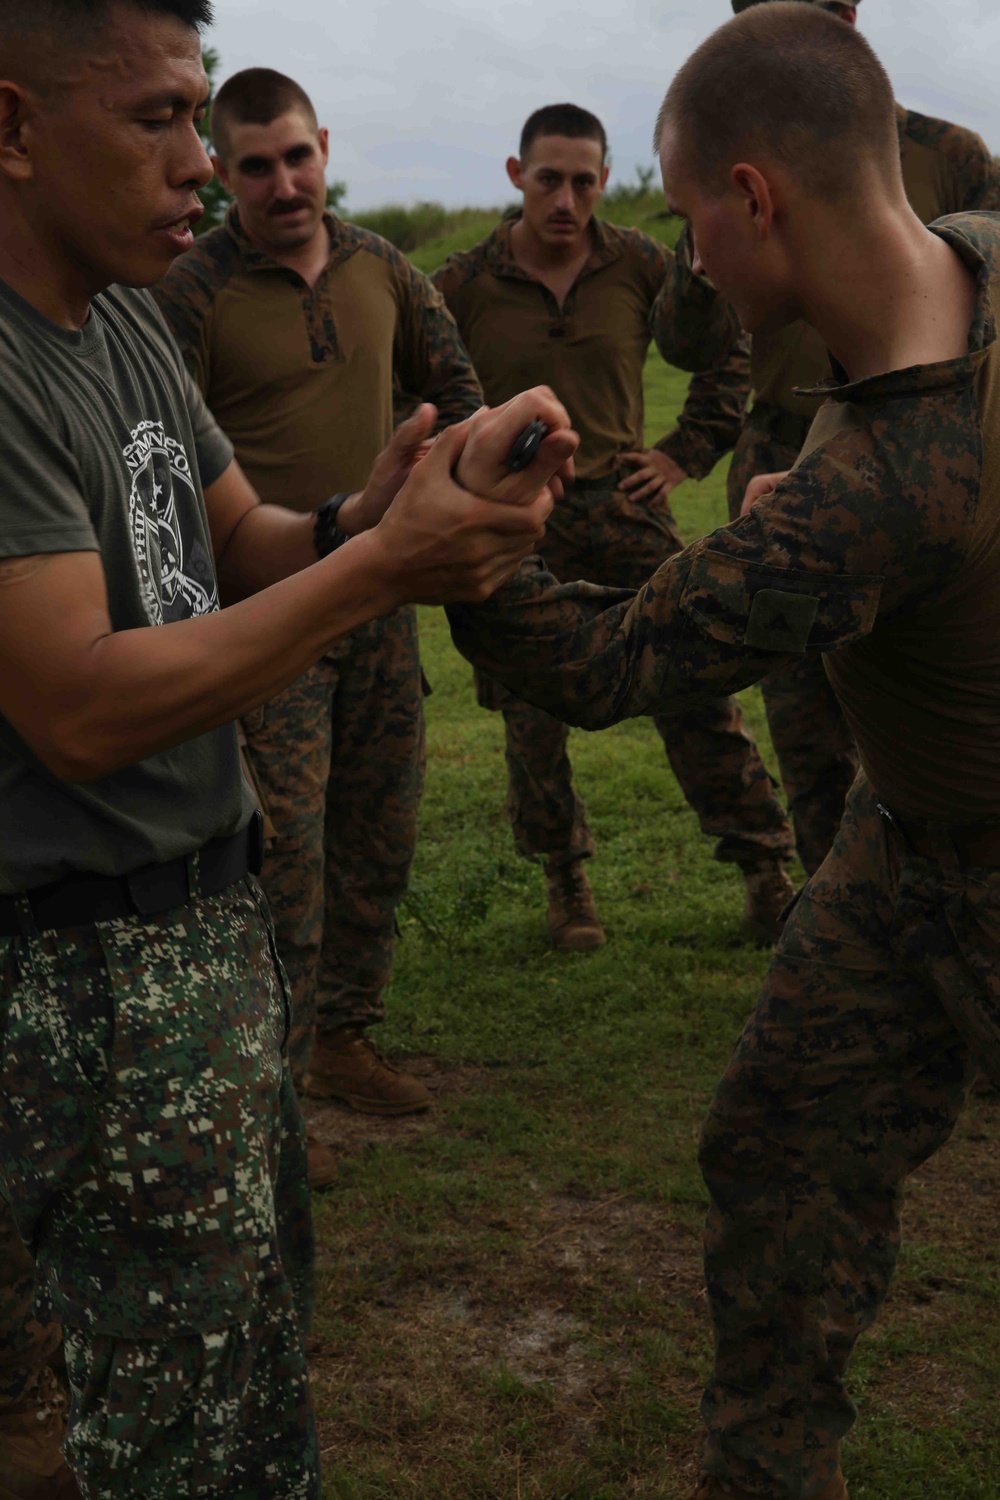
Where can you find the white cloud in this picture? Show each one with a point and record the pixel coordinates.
(425, 98)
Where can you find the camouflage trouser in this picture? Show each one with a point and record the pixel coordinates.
(814, 746)
(851, 1072)
(340, 758)
(153, 1160)
(603, 536)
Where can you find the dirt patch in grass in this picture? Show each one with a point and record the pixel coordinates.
(558, 1344)
(346, 1130)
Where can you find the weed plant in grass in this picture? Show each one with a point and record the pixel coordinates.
(511, 1297)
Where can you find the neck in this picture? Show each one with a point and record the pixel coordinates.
(57, 288)
(530, 248)
(888, 295)
(306, 260)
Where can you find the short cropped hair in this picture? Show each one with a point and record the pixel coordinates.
(563, 119)
(791, 81)
(75, 18)
(255, 97)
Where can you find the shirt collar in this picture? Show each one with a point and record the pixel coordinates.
(341, 243)
(940, 376)
(606, 249)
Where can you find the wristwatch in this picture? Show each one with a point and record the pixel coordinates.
(327, 535)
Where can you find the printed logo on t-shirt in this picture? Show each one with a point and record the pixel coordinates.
(176, 576)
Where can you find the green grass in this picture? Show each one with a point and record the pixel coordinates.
(511, 1301)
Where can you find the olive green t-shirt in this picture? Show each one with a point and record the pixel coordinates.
(105, 445)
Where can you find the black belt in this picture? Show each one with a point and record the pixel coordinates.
(968, 843)
(78, 900)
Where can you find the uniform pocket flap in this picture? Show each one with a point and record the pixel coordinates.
(778, 609)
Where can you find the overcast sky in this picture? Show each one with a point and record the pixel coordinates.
(424, 99)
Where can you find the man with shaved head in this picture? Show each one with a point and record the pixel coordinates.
(878, 555)
(946, 169)
(152, 1157)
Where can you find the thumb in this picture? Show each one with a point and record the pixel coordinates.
(416, 430)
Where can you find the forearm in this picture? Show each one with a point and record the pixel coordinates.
(712, 417)
(592, 656)
(270, 544)
(142, 691)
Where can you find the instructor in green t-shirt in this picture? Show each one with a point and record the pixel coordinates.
(151, 1151)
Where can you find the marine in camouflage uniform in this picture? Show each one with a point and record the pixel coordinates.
(591, 350)
(302, 380)
(946, 170)
(879, 555)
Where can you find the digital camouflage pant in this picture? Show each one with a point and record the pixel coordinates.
(851, 1072)
(340, 759)
(599, 534)
(153, 1162)
(814, 746)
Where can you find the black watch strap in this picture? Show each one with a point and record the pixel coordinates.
(327, 535)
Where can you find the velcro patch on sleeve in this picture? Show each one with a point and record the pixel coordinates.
(780, 621)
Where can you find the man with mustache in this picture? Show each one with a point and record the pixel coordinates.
(559, 296)
(294, 325)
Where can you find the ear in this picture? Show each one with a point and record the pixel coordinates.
(15, 133)
(221, 172)
(515, 173)
(753, 188)
(324, 145)
(604, 175)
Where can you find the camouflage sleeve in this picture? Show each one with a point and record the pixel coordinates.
(694, 328)
(431, 362)
(186, 295)
(795, 575)
(978, 177)
(712, 417)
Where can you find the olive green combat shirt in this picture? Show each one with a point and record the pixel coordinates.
(946, 170)
(880, 549)
(592, 349)
(301, 379)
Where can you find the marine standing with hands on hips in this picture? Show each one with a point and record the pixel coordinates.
(557, 296)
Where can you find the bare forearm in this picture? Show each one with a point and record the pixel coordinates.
(147, 690)
(270, 544)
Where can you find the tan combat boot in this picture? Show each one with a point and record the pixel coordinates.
(321, 1164)
(722, 1489)
(769, 891)
(572, 916)
(347, 1066)
(32, 1466)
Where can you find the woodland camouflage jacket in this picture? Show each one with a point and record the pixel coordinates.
(880, 549)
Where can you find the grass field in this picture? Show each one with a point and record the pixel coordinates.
(511, 1297)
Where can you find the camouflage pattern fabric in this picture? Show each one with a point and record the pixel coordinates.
(850, 1073)
(32, 1335)
(880, 549)
(340, 756)
(814, 746)
(154, 1160)
(603, 535)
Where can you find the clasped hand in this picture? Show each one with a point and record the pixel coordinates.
(450, 521)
